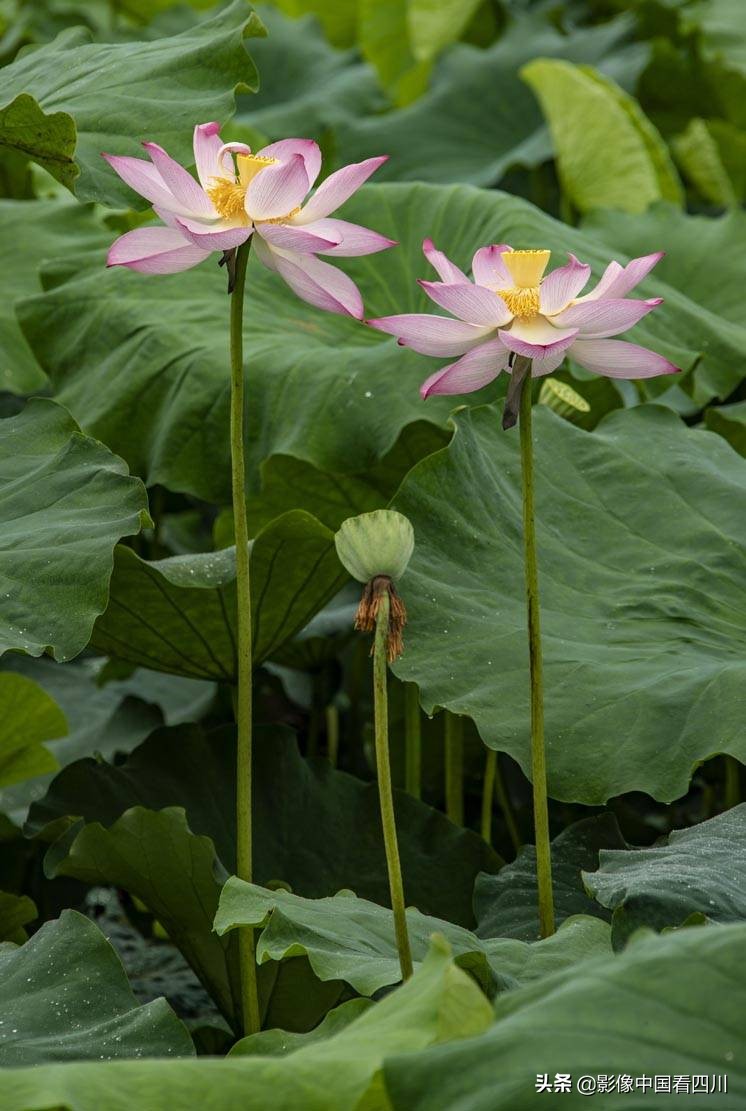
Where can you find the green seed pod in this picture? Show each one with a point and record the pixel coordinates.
(377, 543)
(563, 399)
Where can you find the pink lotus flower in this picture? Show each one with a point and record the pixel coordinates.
(511, 309)
(262, 195)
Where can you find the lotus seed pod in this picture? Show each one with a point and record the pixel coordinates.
(563, 399)
(377, 543)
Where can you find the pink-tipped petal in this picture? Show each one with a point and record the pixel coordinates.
(473, 370)
(489, 269)
(217, 239)
(616, 358)
(547, 364)
(338, 188)
(632, 274)
(604, 282)
(144, 178)
(180, 182)
(207, 145)
(301, 240)
(154, 251)
(618, 281)
(607, 317)
(432, 335)
(353, 239)
(473, 303)
(284, 150)
(277, 190)
(562, 286)
(537, 338)
(446, 270)
(320, 284)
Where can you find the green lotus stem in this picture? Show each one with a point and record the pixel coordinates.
(503, 800)
(412, 740)
(453, 735)
(244, 869)
(538, 756)
(314, 728)
(332, 734)
(732, 789)
(385, 792)
(488, 789)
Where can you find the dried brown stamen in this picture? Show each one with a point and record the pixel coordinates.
(367, 612)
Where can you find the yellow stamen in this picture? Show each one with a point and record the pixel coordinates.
(281, 219)
(229, 199)
(526, 268)
(522, 301)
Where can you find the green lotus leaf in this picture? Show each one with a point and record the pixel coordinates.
(31, 231)
(438, 1004)
(696, 871)
(291, 483)
(669, 1006)
(64, 996)
(435, 24)
(161, 826)
(350, 939)
(478, 119)
(48, 138)
(609, 154)
(383, 36)
(114, 95)
(712, 154)
(730, 422)
(691, 243)
(307, 87)
(506, 903)
(279, 1043)
(344, 937)
(642, 588)
(30, 717)
(340, 844)
(65, 502)
(16, 911)
(178, 614)
(107, 719)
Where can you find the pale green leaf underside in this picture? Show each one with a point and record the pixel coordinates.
(29, 718)
(178, 614)
(609, 155)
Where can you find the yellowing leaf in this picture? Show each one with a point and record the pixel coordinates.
(609, 154)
